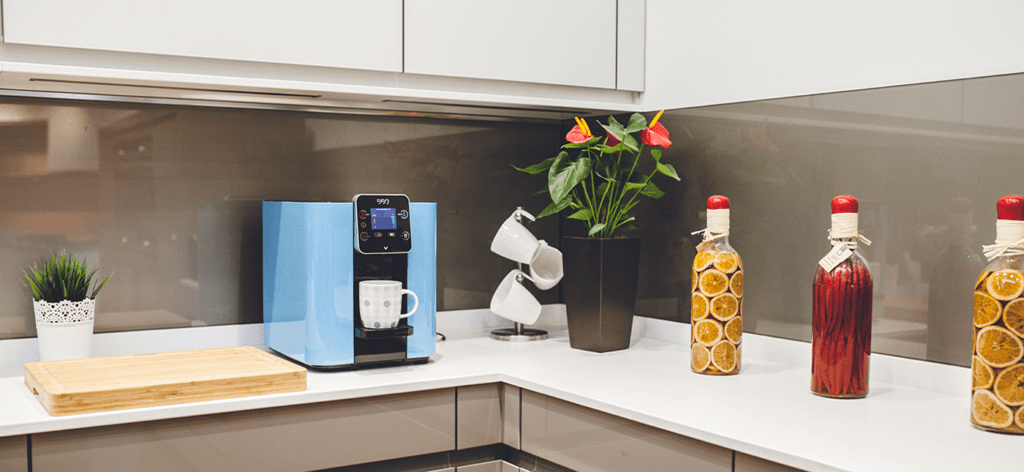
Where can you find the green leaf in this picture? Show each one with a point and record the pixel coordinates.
(555, 207)
(615, 129)
(595, 229)
(564, 175)
(584, 144)
(668, 170)
(656, 154)
(652, 191)
(541, 191)
(97, 291)
(608, 169)
(583, 214)
(636, 123)
(535, 169)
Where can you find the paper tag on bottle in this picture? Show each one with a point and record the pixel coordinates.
(839, 253)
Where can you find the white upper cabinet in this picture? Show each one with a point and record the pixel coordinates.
(354, 34)
(705, 52)
(561, 42)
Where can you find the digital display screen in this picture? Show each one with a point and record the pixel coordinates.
(383, 219)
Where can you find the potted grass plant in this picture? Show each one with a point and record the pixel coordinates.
(64, 308)
(600, 180)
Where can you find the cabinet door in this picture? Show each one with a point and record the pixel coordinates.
(303, 437)
(584, 439)
(565, 42)
(334, 33)
(14, 454)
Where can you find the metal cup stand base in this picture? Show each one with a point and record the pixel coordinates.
(519, 333)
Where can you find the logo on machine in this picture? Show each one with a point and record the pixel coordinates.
(383, 201)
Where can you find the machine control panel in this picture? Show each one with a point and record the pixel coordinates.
(382, 224)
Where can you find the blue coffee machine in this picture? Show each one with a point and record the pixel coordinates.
(315, 255)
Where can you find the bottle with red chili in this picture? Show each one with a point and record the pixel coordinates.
(997, 369)
(841, 321)
(716, 297)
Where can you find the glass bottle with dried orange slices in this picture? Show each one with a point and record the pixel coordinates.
(716, 299)
(997, 402)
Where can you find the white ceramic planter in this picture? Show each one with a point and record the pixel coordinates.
(64, 328)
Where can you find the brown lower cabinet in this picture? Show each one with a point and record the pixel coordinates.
(366, 430)
(14, 454)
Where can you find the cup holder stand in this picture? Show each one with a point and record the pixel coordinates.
(519, 332)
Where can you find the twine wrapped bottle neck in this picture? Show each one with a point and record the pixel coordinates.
(844, 231)
(1009, 240)
(718, 228)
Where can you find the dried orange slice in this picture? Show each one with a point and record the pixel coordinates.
(726, 262)
(1009, 385)
(736, 283)
(723, 356)
(981, 278)
(1020, 418)
(703, 260)
(725, 306)
(981, 374)
(1005, 284)
(987, 410)
(713, 283)
(998, 347)
(986, 309)
(1013, 316)
(707, 332)
(693, 280)
(734, 329)
(698, 307)
(700, 358)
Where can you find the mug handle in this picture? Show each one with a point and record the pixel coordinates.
(416, 303)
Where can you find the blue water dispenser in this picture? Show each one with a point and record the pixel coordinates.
(314, 256)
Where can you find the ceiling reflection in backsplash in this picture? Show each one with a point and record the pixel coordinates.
(169, 199)
(927, 162)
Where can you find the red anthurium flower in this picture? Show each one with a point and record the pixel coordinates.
(655, 134)
(611, 140)
(579, 133)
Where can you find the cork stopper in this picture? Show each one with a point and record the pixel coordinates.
(844, 204)
(718, 202)
(1010, 207)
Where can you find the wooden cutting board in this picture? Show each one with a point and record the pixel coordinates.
(97, 384)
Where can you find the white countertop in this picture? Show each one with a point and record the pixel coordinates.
(916, 416)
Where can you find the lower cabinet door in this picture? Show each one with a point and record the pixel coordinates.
(300, 438)
(14, 454)
(584, 439)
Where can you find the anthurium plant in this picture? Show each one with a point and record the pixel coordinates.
(602, 182)
(63, 277)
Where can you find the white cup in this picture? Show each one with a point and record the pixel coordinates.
(380, 303)
(513, 241)
(513, 301)
(546, 266)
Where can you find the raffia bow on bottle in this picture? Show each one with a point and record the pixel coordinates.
(718, 228)
(1009, 240)
(844, 231)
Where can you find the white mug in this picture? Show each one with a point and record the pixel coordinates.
(546, 266)
(513, 301)
(380, 303)
(513, 241)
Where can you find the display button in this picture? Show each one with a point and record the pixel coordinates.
(362, 214)
(391, 234)
(404, 214)
(405, 235)
(362, 224)
(364, 236)
(378, 234)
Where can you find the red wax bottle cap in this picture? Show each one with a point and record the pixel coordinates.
(1010, 207)
(844, 204)
(718, 202)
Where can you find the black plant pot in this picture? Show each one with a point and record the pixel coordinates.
(600, 291)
